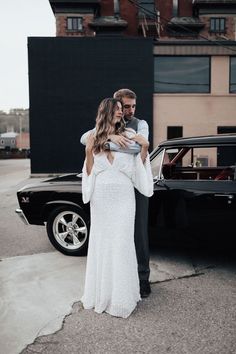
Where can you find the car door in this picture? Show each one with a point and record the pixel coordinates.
(212, 209)
(200, 207)
(170, 214)
(216, 207)
(167, 212)
(205, 209)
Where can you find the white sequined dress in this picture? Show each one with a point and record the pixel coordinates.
(111, 282)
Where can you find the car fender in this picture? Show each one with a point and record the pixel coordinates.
(49, 206)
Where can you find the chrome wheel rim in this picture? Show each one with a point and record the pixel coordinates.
(70, 230)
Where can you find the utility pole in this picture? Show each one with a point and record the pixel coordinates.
(20, 128)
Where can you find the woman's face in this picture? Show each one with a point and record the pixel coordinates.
(118, 114)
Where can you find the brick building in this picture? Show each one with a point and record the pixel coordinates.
(194, 53)
(160, 19)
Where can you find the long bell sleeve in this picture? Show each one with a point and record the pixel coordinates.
(142, 176)
(88, 182)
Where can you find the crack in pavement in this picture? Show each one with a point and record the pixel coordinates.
(46, 335)
(180, 277)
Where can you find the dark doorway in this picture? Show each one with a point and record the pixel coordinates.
(226, 156)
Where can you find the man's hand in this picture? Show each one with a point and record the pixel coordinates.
(119, 140)
(144, 145)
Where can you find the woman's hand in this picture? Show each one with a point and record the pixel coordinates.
(119, 140)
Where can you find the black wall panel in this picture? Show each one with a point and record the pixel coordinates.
(68, 77)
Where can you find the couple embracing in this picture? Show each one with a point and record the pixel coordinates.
(117, 181)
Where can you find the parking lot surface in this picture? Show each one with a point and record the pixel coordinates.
(191, 308)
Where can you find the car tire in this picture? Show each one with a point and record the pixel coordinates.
(68, 230)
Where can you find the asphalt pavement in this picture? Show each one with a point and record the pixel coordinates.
(182, 316)
(191, 308)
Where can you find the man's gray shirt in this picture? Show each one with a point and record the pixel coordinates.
(140, 126)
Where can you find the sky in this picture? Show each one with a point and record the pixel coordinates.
(20, 19)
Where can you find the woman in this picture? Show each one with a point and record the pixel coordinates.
(109, 178)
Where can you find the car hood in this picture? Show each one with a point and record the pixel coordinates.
(63, 182)
(71, 177)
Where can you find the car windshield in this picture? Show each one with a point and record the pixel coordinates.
(156, 164)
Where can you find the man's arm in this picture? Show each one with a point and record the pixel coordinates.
(122, 143)
(129, 149)
(85, 136)
(143, 130)
(113, 146)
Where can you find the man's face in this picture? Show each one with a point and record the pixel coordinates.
(129, 105)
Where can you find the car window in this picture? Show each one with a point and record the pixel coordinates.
(200, 163)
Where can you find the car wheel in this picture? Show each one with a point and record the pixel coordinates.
(68, 230)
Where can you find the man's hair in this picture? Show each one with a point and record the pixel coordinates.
(124, 93)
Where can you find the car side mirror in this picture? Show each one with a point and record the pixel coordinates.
(160, 181)
(155, 179)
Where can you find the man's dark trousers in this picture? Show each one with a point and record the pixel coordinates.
(141, 235)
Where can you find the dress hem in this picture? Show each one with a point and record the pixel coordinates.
(111, 311)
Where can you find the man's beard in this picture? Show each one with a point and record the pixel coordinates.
(128, 117)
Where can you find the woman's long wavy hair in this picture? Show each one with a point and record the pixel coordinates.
(105, 124)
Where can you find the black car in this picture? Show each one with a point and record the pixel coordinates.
(194, 196)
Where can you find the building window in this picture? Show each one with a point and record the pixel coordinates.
(75, 24)
(217, 25)
(232, 83)
(175, 11)
(146, 8)
(181, 74)
(174, 132)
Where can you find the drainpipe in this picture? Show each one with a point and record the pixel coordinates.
(116, 8)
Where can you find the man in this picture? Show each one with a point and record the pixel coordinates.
(128, 98)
